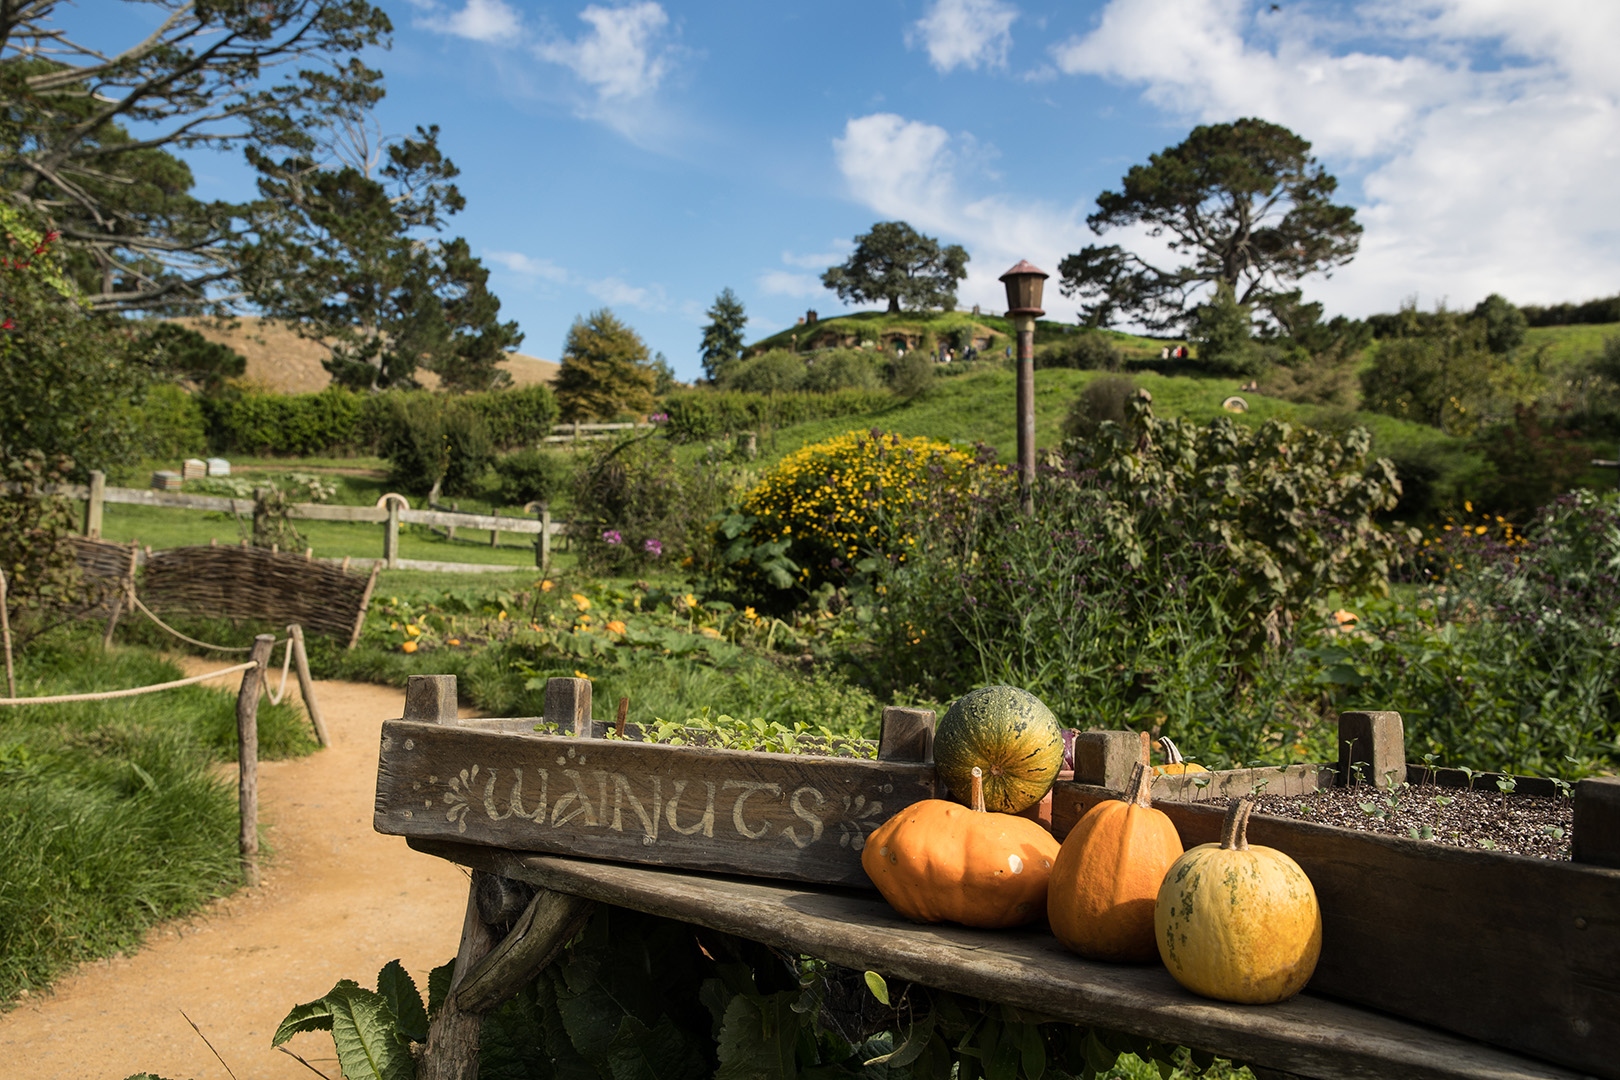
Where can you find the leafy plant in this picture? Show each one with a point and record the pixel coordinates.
(372, 1029)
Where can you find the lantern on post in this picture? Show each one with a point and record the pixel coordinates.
(1024, 284)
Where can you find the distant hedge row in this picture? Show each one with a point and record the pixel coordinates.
(337, 421)
(704, 414)
(1605, 310)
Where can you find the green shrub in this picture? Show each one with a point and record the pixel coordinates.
(775, 372)
(514, 418)
(333, 421)
(1087, 351)
(432, 449)
(1445, 377)
(1223, 330)
(1101, 399)
(170, 423)
(913, 373)
(843, 369)
(44, 584)
(533, 476)
(695, 415)
(636, 505)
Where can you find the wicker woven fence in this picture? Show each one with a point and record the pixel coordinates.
(251, 583)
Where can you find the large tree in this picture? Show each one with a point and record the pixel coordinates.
(87, 136)
(605, 370)
(1243, 204)
(723, 336)
(348, 253)
(896, 263)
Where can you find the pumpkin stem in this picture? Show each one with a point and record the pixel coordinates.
(1140, 788)
(1235, 830)
(978, 789)
(1172, 755)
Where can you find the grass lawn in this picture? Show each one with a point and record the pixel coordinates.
(1566, 344)
(114, 816)
(980, 407)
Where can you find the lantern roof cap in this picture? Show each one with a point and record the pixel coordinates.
(1024, 267)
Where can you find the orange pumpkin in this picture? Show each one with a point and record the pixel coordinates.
(1107, 876)
(939, 861)
(1174, 765)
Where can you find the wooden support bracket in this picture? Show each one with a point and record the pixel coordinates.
(551, 921)
(906, 735)
(1106, 757)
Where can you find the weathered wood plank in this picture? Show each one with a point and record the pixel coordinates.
(526, 525)
(1372, 744)
(1443, 935)
(1309, 1036)
(1288, 780)
(799, 817)
(1596, 836)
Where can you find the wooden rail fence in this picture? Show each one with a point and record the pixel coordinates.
(391, 512)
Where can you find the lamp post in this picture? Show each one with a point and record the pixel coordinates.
(1024, 283)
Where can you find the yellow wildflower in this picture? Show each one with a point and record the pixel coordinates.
(709, 631)
(582, 602)
(750, 614)
(413, 630)
(409, 646)
(547, 586)
(614, 626)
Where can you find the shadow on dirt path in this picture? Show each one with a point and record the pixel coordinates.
(338, 901)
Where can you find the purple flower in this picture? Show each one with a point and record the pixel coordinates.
(612, 536)
(652, 547)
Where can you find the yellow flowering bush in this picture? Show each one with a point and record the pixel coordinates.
(837, 502)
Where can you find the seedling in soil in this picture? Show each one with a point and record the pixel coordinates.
(1488, 844)
(1425, 833)
(1563, 786)
(1201, 782)
(1506, 785)
(1442, 800)
(1554, 831)
(1470, 773)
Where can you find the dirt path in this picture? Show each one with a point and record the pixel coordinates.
(338, 901)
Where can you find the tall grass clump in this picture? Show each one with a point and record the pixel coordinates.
(111, 815)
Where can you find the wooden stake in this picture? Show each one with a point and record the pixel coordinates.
(5, 632)
(306, 686)
(93, 503)
(247, 756)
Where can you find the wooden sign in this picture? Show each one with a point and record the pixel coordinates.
(791, 816)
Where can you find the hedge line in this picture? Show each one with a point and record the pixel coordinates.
(337, 421)
(704, 414)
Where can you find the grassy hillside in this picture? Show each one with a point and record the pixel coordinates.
(1566, 344)
(877, 326)
(979, 407)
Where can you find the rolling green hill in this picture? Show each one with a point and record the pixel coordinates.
(878, 328)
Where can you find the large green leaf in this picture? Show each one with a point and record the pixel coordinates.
(310, 1016)
(758, 1037)
(367, 1037)
(397, 987)
(660, 1053)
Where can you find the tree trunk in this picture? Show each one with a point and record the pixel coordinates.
(894, 305)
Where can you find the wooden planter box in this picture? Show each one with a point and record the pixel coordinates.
(1518, 952)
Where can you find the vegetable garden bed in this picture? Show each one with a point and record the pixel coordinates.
(1519, 952)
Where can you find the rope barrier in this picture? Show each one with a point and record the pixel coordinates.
(135, 691)
(189, 640)
(286, 665)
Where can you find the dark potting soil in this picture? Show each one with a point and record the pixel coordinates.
(1520, 824)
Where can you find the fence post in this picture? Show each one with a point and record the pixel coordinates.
(92, 504)
(126, 592)
(247, 755)
(306, 686)
(544, 552)
(5, 632)
(391, 536)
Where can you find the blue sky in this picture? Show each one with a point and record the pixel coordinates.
(644, 155)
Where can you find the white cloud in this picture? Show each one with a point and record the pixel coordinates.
(613, 290)
(784, 283)
(489, 21)
(965, 33)
(608, 290)
(821, 260)
(908, 170)
(519, 263)
(620, 57)
(1484, 133)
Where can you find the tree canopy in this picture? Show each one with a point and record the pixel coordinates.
(223, 74)
(605, 370)
(1243, 203)
(348, 254)
(896, 263)
(723, 337)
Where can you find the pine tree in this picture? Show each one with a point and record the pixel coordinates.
(723, 338)
(605, 370)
